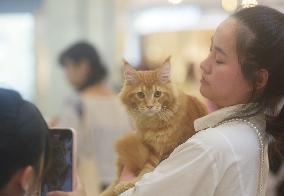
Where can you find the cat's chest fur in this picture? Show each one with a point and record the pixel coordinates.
(164, 141)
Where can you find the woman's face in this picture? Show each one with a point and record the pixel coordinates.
(76, 73)
(222, 79)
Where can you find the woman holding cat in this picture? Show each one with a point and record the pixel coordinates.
(243, 75)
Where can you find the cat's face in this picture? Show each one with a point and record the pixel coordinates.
(148, 93)
(147, 99)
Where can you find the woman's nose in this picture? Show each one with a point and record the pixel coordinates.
(205, 66)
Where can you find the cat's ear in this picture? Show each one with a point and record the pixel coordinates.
(130, 74)
(164, 72)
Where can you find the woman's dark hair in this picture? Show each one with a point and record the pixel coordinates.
(23, 136)
(260, 45)
(84, 51)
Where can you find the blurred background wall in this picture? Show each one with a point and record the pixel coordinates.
(145, 32)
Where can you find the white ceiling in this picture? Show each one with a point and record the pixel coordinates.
(205, 4)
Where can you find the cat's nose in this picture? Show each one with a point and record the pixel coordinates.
(150, 107)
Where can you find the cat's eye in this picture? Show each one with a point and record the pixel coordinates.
(141, 95)
(157, 94)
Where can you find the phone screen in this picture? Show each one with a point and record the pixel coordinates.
(59, 172)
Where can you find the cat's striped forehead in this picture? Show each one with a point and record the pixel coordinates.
(147, 78)
(148, 88)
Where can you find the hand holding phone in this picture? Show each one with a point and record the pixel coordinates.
(61, 169)
(78, 191)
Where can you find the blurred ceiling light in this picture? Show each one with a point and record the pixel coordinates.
(160, 19)
(249, 3)
(230, 5)
(175, 1)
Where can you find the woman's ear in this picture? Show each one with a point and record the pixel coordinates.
(26, 176)
(262, 78)
(21, 181)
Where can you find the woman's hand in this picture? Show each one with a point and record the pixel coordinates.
(126, 175)
(79, 191)
(126, 181)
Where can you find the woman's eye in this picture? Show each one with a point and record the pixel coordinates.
(219, 62)
(141, 95)
(157, 94)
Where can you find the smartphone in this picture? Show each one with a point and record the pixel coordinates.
(60, 174)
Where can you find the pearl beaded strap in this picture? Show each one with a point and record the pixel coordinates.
(261, 149)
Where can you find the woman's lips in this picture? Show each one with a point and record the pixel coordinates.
(204, 81)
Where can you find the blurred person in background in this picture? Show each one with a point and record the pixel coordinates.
(24, 146)
(95, 112)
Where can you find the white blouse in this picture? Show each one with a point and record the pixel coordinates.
(219, 161)
(99, 121)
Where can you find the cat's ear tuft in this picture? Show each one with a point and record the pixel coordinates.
(130, 74)
(164, 71)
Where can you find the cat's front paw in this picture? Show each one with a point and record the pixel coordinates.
(123, 186)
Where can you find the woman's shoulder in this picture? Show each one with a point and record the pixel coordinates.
(227, 134)
(222, 146)
(231, 140)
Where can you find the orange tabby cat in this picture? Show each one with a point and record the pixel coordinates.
(164, 119)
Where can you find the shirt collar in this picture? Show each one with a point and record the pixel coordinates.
(214, 118)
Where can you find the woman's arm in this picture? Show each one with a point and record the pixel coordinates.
(189, 171)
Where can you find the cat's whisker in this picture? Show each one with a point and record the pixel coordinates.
(164, 115)
(168, 114)
(161, 116)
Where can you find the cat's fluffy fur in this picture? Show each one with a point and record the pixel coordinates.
(164, 119)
